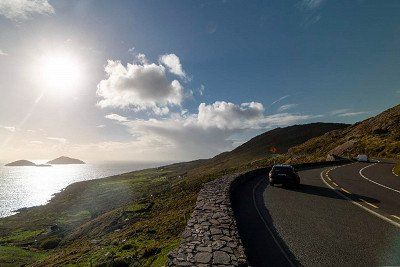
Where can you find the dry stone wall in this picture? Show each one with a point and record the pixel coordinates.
(211, 237)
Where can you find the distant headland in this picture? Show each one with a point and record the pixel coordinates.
(65, 160)
(60, 160)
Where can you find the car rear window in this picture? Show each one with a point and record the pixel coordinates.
(282, 169)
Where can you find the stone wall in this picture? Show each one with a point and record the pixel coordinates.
(211, 237)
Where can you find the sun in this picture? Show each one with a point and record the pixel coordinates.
(60, 71)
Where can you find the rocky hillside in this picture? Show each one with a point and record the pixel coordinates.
(276, 141)
(378, 136)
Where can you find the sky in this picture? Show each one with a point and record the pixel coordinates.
(182, 80)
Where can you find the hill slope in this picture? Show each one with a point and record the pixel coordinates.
(65, 160)
(22, 162)
(133, 219)
(262, 145)
(378, 136)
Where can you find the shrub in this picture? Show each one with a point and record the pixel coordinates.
(50, 243)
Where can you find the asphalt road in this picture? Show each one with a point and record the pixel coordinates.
(337, 217)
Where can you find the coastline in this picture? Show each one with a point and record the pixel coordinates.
(101, 170)
(123, 210)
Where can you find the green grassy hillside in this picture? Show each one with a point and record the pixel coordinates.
(132, 219)
(378, 136)
(279, 139)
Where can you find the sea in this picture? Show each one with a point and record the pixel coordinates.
(23, 187)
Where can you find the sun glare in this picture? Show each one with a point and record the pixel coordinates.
(60, 71)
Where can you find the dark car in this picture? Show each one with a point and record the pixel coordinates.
(283, 174)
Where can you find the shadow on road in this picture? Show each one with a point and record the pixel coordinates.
(327, 192)
(262, 243)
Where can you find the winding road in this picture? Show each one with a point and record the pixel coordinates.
(343, 215)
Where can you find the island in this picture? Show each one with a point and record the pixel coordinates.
(22, 162)
(65, 160)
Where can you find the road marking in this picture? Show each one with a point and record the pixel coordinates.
(328, 178)
(267, 226)
(366, 202)
(366, 178)
(335, 184)
(358, 204)
(344, 190)
(397, 217)
(394, 172)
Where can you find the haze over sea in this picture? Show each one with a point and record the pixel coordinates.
(22, 187)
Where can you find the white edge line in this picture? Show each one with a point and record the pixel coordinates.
(366, 178)
(266, 224)
(359, 205)
(394, 172)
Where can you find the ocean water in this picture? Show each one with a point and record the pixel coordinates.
(22, 187)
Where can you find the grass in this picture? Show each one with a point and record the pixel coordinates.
(15, 256)
(20, 236)
(135, 218)
(396, 169)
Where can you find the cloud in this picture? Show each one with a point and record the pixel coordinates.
(311, 4)
(173, 63)
(208, 132)
(286, 107)
(24, 9)
(346, 112)
(201, 89)
(2, 53)
(35, 142)
(339, 111)
(58, 139)
(226, 115)
(139, 85)
(311, 10)
(116, 117)
(8, 128)
(350, 114)
(278, 100)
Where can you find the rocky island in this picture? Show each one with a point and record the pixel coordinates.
(22, 162)
(65, 160)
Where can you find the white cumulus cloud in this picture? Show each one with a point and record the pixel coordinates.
(116, 117)
(173, 63)
(226, 115)
(208, 132)
(139, 85)
(24, 9)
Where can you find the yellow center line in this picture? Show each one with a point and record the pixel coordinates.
(397, 217)
(344, 190)
(366, 202)
(335, 184)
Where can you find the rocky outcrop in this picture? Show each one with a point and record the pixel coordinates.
(211, 237)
